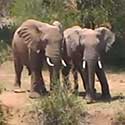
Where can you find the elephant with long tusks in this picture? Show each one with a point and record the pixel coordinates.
(83, 49)
(33, 43)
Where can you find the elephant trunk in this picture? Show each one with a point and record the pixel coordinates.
(53, 54)
(53, 50)
(91, 64)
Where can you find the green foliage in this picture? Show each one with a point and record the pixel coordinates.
(72, 12)
(97, 11)
(4, 51)
(44, 10)
(89, 13)
(6, 34)
(101, 11)
(60, 108)
(1, 116)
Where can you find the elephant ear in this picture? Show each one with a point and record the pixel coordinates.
(106, 36)
(31, 37)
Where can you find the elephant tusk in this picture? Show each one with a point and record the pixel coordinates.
(99, 64)
(63, 62)
(84, 64)
(49, 62)
(38, 51)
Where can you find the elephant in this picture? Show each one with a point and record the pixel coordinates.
(69, 54)
(84, 49)
(33, 43)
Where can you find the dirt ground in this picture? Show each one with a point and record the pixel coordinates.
(100, 113)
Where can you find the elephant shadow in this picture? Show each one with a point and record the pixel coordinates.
(82, 94)
(120, 98)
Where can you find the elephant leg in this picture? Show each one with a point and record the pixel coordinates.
(54, 72)
(86, 82)
(75, 76)
(18, 70)
(55, 77)
(29, 70)
(83, 79)
(104, 83)
(37, 82)
(37, 85)
(51, 77)
(65, 75)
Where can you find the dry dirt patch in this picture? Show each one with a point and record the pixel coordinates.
(100, 113)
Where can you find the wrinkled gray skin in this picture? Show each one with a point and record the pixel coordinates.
(84, 48)
(33, 41)
(72, 54)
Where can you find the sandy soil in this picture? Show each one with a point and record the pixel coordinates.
(100, 113)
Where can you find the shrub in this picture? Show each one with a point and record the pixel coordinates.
(1, 116)
(60, 108)
(6, 34)
(4, 51)
(44, 10)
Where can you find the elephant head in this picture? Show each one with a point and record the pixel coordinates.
(45, 39)
(40, 36)
(95, 43)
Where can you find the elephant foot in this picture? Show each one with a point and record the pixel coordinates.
(35, 95)
(106, 97)
(89, 99)
(17, 86)
(39, 88)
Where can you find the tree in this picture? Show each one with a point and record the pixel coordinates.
(4, 7)
(45, 10)
(87, 13)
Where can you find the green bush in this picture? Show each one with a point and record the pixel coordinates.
(6, 35)
(44, 10)
(4, 51)
(60, 108)
(1, 116)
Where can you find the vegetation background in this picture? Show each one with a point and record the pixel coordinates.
(86, 13)
(61, 105)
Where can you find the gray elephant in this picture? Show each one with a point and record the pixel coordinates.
(85, 48)
(33, 43)
(72, 54)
